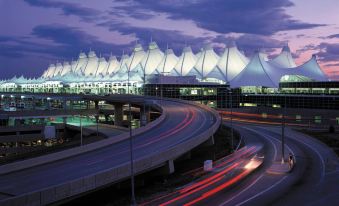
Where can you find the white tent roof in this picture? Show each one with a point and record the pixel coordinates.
(168, 62)
(66, 69)
(256, 73)
(152, 59)
(311, 69)
(74, 65)
(92, 65)
(58, 69)
(113, 65)
(82, 63)
(186, 62)
(206, 62)
(102, 68)
(230, 64)
(123, 64)
(50, 71)
(136, 57)
(284, 59)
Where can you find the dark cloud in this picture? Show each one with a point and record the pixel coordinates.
(333, 36)
(66, 7)
(68, 42)
(328, 52)
(224, 16)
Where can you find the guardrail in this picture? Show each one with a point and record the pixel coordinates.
(102, 178)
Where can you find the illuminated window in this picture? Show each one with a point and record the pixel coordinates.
(317, 119)
(298, 118)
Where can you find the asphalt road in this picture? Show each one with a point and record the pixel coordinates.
(313, 181)
(182, 123)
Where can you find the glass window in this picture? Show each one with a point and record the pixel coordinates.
(298, 118)
(317, 119)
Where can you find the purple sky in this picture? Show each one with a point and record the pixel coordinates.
(35, 33)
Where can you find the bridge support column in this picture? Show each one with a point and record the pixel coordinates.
(209, 142)
(145, 115)
(17, 122)
(64, 104)
(168, 168)
(64, 120)
(118, 114)
(96, 104)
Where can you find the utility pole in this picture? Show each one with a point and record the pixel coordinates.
(80, 131)
(283, 133)
(231, 121)
(133, 201)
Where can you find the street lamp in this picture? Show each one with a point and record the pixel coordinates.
(283, 133)
(161, 87)
(133, 201)
(80, 131)
(231, 120)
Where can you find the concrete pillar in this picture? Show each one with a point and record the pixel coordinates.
(96, 104)
(145, 115)
(64, 120)
(106, 117)
(118, 114)
(170, 166)
(33, 102)
(17, 122)
(64, 104)
(209, 142)
(49, 104)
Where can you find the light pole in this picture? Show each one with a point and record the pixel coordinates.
(231, 120)
(133, 201)
(283, 133)
(80, 131)
(161, 87)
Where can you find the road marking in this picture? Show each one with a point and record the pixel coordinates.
(248, 187)
(251, 198)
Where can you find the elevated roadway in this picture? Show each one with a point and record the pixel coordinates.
(181, 127)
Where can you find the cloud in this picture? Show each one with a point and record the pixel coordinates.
(66, 7)
(328, 52)
(239, 16)
(333, 36)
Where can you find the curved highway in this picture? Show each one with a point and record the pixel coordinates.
(313, 180)
(183, 122)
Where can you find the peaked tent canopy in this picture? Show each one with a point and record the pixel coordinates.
(92, 64)
(206, 63)
(254, 74)
(152, 59)
(230, 64)
(168, 62)
(284, 59)
(186, 62)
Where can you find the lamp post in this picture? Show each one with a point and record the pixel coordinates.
(161, 87)
(80, 130)
(231, 120)
(133, 201)
(283, 133)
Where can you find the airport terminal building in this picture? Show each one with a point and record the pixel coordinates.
(204, 76)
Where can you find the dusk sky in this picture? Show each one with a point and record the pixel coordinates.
(35, 33)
